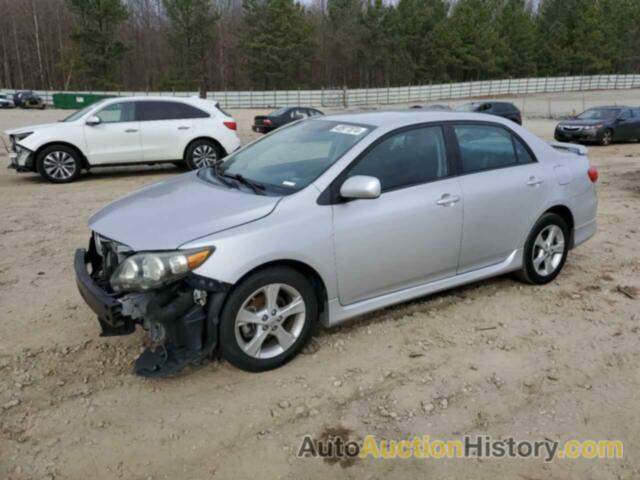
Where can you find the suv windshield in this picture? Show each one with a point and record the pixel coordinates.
(598, 114)
(80, 113)
(290, 159)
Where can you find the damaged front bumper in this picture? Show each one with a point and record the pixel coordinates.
(21, 159)
(182, 319)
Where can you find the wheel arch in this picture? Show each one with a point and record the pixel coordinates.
(203, 137)
(565, 213)
(305, 269)
(38, 151)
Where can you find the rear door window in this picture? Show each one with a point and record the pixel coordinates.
(626, 114)
(150, 110)
(484, 147)
(523, 154)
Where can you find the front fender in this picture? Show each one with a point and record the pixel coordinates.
(297, 230)
(39, 139)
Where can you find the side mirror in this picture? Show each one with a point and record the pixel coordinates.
(361, 187)
(93, 120)
(620, 120)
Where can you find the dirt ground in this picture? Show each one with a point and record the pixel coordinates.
(495, 358)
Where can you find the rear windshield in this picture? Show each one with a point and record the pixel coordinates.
(278, 113)
(468, 107)
(219, 107)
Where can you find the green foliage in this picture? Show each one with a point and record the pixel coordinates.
(475, 40)
(290, 44)
(276, 43)
(191, 34)
(516, 53)
(414, 34)
(98, 52)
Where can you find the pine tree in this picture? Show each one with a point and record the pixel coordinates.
(375, 47)
(276, 44)
(97, 50)
(516, 54)
(413, 35)
(191, 32)
(474, 39)
(344, 30)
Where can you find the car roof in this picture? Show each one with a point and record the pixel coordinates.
(608, 107)
(160, 97)
(399, 118)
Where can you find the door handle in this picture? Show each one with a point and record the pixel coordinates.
(447, 200)
(183, 128)
(534, 182)
(131, 130)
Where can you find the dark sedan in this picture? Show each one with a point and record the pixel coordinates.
(502, 109)
(603, 125)
(267, 123)
(28, 99)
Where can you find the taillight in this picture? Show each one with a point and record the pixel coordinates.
(231, 125)
(266, 121)
(593, 174)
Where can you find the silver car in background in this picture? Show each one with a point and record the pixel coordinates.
(327, 219)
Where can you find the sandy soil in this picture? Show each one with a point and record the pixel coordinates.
(496, 358)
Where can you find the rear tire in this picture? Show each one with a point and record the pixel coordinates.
(267, 319)
(59, 164)
(202, 154)
(545, 250)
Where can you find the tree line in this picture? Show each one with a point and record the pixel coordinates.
(286, 44)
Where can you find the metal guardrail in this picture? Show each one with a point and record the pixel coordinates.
(362, 97)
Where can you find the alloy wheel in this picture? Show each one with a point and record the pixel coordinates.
(59, 165)
(548, 250)
(204, 156)
(607, 137)
(270, 320)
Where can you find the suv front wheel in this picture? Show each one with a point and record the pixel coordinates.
(59, 164)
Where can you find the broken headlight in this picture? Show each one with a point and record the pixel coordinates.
(146, 271)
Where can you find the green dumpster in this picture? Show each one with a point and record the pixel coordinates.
(75, 101)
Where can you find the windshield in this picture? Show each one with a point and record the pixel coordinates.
(290, 159)
(81, 113)
(598, 114)
(467, 107)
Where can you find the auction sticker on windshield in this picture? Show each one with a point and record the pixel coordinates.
(349, 129)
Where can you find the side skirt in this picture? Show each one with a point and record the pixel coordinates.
(339, 313)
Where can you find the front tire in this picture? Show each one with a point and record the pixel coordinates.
(267, 319)
(202, 154)
(59, 164)
(607, 137)
(545, 250)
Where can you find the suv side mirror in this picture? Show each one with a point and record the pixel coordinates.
(361, 187)
(93, 120)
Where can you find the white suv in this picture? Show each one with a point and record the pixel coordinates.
(125, 131)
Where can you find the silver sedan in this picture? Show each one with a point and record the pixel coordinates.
(327, 219)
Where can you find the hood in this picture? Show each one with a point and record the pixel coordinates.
(37, 128)
(166, 215)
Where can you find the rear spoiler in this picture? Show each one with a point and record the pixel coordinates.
(570, 147)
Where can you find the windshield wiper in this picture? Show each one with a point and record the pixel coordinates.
(255, 186)
(215, 168)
